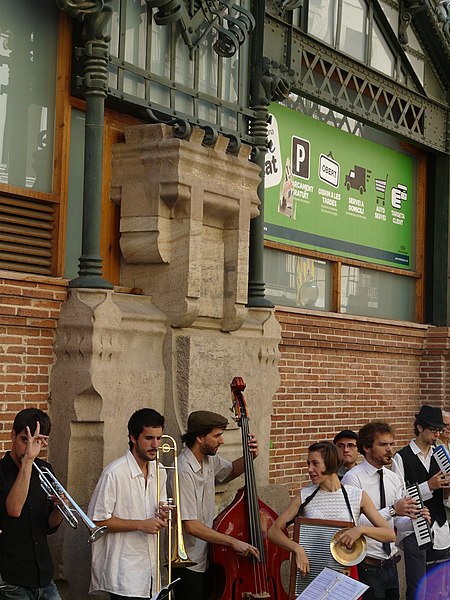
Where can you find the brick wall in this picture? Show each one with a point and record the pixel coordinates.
(29, 311)
(338, 372)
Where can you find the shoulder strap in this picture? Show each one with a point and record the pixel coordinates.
(347, 502)
(302, 506)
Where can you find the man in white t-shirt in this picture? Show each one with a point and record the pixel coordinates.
(199, 469)
(124, 561)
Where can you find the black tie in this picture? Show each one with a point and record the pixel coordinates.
(386, 545)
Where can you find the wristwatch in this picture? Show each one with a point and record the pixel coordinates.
(392, 512)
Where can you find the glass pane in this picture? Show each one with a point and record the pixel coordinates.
(74, 219)
(28, 39)
(206, 111)
(293, 280)
(134, 85)
(382, 58)
(136, 30)
(183, 103)
(159, 94)
(322, 20)
(229, 119)
(230, 79)
(208, 66)
(184, 66)
(377, 294)
(113, 28)
(112, 76)
(353, 29)
(160, 52)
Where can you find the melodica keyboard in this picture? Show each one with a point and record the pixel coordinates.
(442, 457)
(421, 526)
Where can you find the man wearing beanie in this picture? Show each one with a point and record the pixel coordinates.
(199, 469)
(415, 464)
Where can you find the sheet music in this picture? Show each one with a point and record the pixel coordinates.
(165, 591)
(331, 585)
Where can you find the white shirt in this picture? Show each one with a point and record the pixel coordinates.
(197, 498)
(365, 476)
(441, 533)
(332, 505)
(125, 563)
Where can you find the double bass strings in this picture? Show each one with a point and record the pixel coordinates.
(256, 537)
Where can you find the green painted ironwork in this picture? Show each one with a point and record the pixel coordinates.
(327, 77)
(95, 16)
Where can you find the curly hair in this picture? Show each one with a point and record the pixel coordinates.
(367, 433)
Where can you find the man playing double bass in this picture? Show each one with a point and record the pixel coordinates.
(199, 469)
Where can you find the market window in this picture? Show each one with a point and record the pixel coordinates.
(29, 198)
(341, 218)
(27, 94)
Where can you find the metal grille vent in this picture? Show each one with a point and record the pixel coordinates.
(26, 235)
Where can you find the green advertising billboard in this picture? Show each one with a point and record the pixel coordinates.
(334, 192)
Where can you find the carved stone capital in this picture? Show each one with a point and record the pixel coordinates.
(185, 218)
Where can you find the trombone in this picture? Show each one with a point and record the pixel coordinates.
(67, 505)
(177, 555)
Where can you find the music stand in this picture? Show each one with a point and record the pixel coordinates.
(165, 591)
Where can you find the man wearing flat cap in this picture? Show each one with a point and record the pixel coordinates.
(415, 464)
(199, 469)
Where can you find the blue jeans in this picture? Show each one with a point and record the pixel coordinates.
(420, 562)
(17, 592)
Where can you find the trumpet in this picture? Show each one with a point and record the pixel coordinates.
(177, 555)
(66, 504)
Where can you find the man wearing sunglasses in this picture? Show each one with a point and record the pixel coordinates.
(415, 464)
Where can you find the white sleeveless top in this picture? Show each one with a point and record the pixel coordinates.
(331, 505)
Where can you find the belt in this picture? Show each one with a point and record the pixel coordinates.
(380, 563)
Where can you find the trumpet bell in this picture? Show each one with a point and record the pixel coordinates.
(348, 556)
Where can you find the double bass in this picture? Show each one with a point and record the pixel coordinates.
(247, 518)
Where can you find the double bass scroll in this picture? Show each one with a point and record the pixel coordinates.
(249, 519)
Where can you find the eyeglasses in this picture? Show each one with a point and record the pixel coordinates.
(436, 429)
(349, 446)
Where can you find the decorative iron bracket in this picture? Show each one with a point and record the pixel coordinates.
(406, 11)
(232, 23)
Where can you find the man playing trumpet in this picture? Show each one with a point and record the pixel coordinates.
(124, 562)
(27, 515)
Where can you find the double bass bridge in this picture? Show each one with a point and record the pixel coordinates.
(255, 596)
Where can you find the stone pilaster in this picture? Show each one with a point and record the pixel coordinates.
(109, 362)
(185, 215)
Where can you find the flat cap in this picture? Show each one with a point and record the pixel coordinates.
(202, 421)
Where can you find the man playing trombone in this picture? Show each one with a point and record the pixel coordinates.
(27, 515)
(124, 562)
